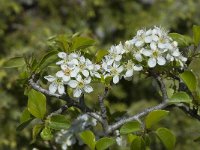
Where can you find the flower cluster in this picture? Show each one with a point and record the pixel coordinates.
(148, 49)
(76, 72)
(155, 47)
(70, 136)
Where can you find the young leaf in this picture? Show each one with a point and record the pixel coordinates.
(36, 130)
(167, 138)
(81, 43)
(88, 138)
(25, 116)
(189, 79)
(36, 104)
(181, 39)
(180, 97)
(104, 143)
(59, 122)
(46, 134)
(196, 34)
(24, 124)
(130, 127)
(100, 54)
(14, 62)
(138, 144)
(154, 117)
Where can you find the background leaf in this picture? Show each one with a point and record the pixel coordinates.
(138, 144)
(189, 79)
(104, 143)
(196, 34)
(180, 97)
(58, 122)
(88, 138)
(130, 127)
(167, 138)
(154, 117)
(14, 62)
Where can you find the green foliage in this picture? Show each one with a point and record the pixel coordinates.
(167, 138)
(46, 134)
(130, 127)
(88, 138)
(36, 104)
(182, 40)
(190, 80)
(138, 144)
(154, 117)
(180, 97)
(100, 54)
(104, 143)
(14, 62)
(58, 122)
(36, 130)
(196, 34)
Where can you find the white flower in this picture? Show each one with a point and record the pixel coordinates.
(130, 68)
(94, 71)
(84, 66)
(115, 71)
(80, 85)
(56, 84)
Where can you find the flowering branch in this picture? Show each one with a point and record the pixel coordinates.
(70, 101)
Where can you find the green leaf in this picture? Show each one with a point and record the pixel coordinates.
(58, 122)
(81, 43)
(196, 34)
(182, 40)
(88, 138)
(24, 124)
(197, 139)
(130, 127)
(100, 54)
(36, 104)
(138, 144)
(14, 62)
(36, 130)
(190, 80)
(167, 138)
(180, 97)
(48, 59)
(25, 116)
(46, 134)
(104, 143)
(154, 117)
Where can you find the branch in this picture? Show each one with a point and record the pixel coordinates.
(162, 87)
(70, 101)
(136, 117)
(59, 111)
(103, 110)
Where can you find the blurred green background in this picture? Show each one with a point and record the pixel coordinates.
(26, 25)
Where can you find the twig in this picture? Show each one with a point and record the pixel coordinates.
(162, 87)
(59, 111)
(103, 110)
(119, 123)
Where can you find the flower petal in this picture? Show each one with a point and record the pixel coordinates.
(60, 74)
(53, 87)
(161, 60)
(115, 79)
(153, 46)
(85, 73)
(73, 83)
(50, 78)
(66, 78)
(129, 73)
(137, 68)
(146, 52)
(138, 57)
(152, 62)
(88, 89)
(77, 92)
(62, 55)
(61, 89)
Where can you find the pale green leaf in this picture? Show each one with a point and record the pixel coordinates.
(189, 79)
(138, 144)
(88, 138)
(58, 122)
(180, 97)
(14, 62)
(104, 143)
(196, 34)
(154, 117)
(167, 138)
(130, 127)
